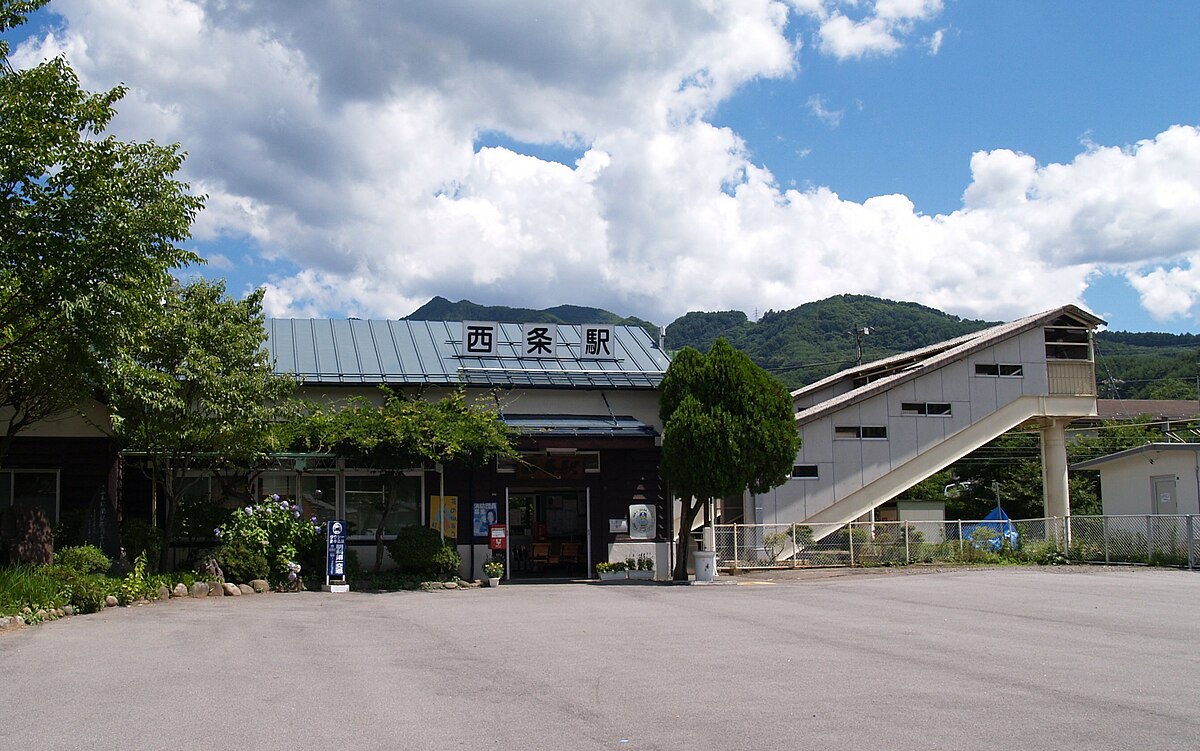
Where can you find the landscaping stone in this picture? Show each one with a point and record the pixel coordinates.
(199, 589)
(449, 585)
(68, 610)
(3, 623)
(260, 585)
(41, 614)
(246, 589)
(180, 590)
(164, 593)
(110, 602)
(231, 590)
(215, 589)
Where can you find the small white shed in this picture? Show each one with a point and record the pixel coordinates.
(1158, 478)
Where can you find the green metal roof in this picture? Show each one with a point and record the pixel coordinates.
(353, 351)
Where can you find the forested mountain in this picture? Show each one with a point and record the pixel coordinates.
(441, 309)
(817, 339)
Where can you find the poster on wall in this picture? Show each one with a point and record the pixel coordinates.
(444, 517)
(641, 521)
(484, 516)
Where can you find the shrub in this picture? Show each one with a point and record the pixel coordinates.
(86, 559)
(420, 551)
(25, 586)
(140, 538)
(242, 561)
(85, 591)
(273, 530)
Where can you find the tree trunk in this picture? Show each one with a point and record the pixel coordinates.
(689, 509)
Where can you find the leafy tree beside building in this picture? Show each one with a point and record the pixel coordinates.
(90, 227)
(728, 427)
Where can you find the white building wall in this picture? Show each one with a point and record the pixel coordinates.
(1126, 485)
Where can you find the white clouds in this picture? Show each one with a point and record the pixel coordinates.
(880, 30)
(816, 105)
(358, 173)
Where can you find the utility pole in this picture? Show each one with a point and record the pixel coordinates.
(859, 332)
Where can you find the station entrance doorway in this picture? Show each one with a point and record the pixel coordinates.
(548, 533)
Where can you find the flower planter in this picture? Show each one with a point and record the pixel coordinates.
(644, 575)
(611, 575)
(493, 581)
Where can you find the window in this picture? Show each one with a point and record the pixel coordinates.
(1001, 370)
(31, 487)
(929, 409)
(1068, 343)
(863, 432)
(369, 507)
(804, 472)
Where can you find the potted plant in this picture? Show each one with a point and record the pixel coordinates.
(611, 571)
(493, 570)
(644, 568)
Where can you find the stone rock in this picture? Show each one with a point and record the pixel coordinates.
(199, 589)
(164, 593)
(41, 614)
(449, 585)
(59, 612)
(110, 602)
(246, 589)
(231, 589)
(260, 585)
(215, 589)
(179, 591)
(68, 610)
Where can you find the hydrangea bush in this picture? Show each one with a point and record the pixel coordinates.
(274, 527)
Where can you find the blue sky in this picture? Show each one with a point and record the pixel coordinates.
(991, 159)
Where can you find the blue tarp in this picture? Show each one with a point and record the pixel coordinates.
(1001, 526)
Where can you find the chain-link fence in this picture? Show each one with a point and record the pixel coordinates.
(1152, 540)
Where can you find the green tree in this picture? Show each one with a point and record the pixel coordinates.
(406, 432)
(196, 391)
(90, 228)
(728, 426)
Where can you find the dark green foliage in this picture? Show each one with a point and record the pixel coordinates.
(242, 562)
(86, 559)
(441, 309)
(812, 341)
(81, 589)
(139, 537)
(419, 551)
(727, 427)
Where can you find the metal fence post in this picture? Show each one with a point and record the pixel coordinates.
(795, 546)
(907, 554)
(850, 541)
(1191, 547)
(961, 552)
(737, 556)
(1104, 528)
(1149, 541)
(1066, 533)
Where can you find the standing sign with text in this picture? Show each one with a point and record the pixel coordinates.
(335, 547)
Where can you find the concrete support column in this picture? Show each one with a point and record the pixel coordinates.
(1054, 469)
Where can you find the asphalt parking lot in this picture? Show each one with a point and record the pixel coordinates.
(1071, 658)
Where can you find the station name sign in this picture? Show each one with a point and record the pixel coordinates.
(539, 340)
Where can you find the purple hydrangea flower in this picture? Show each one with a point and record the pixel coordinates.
(249, 511)
(274, 496)
(217, 531)
(283, 505)
(296, 514)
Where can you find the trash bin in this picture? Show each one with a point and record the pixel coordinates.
(706, 565)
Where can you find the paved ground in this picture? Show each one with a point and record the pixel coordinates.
(1073, 658)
